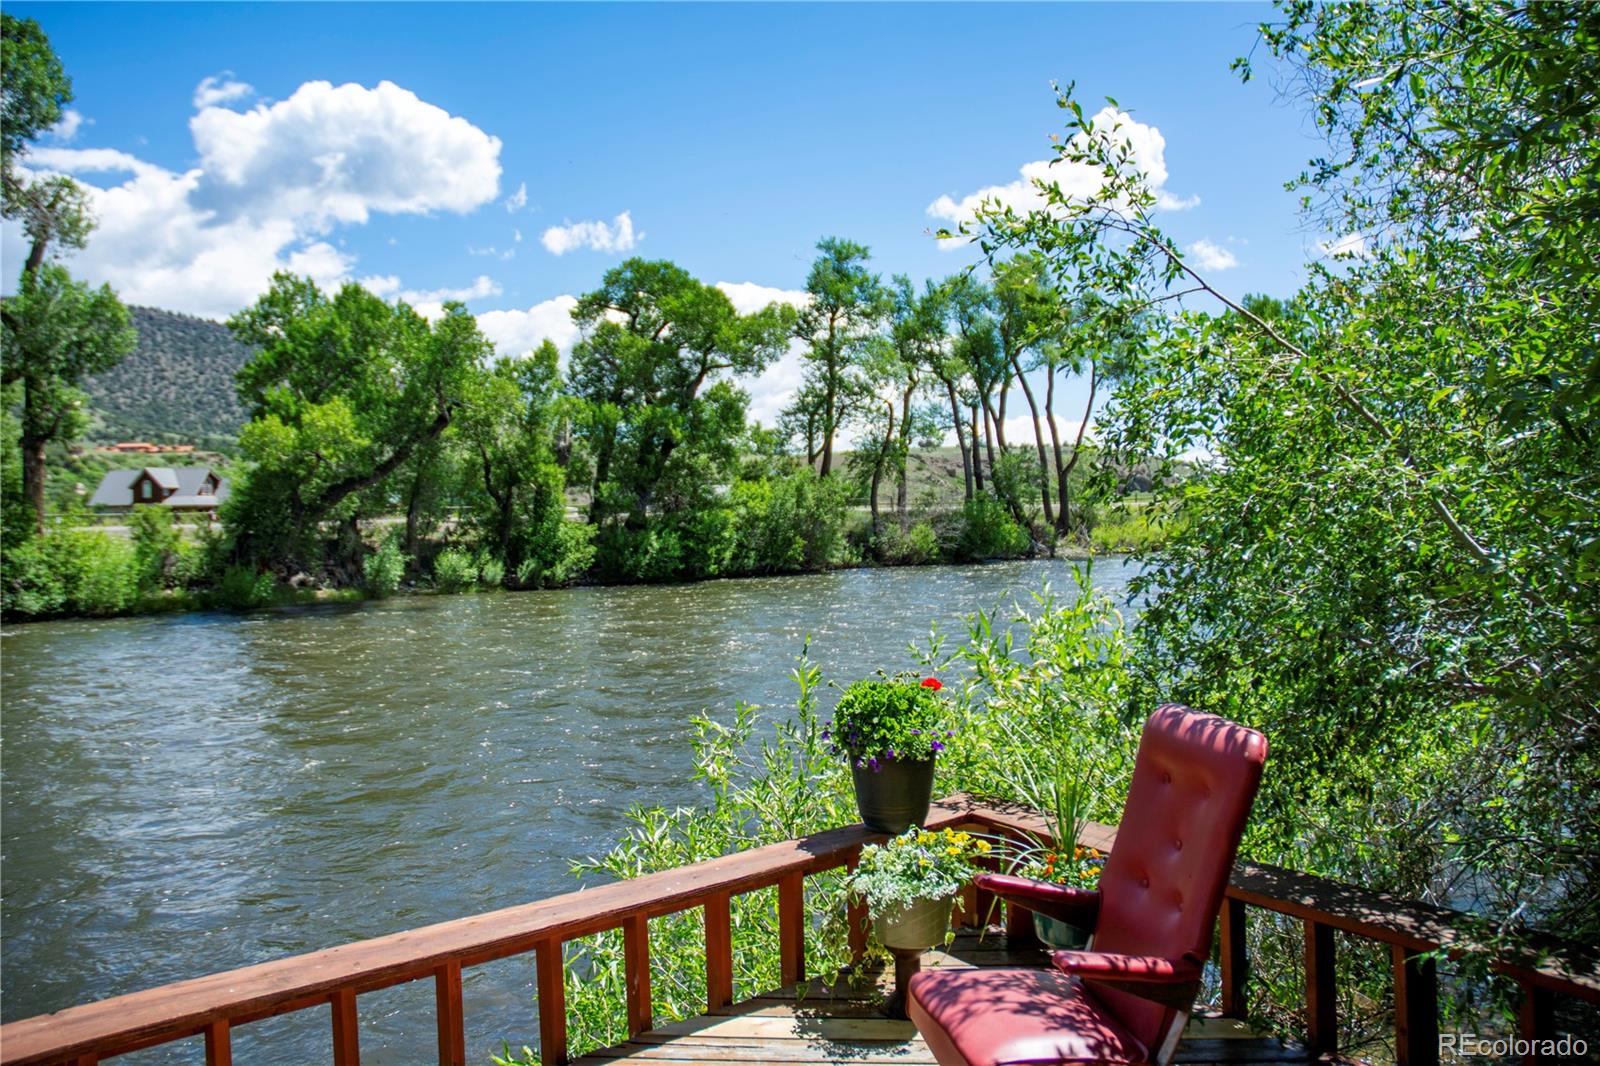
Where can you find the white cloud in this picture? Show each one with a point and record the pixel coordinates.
(748, 297)
(1077, 180)
(268, 186)
(617, 236)
(429, 303)
(517, 332)
(1212, 257)
(519, 199)
(1351, 245)
(220, 89)
(66, 127)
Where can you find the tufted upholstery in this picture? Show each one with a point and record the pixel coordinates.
(1194, 781)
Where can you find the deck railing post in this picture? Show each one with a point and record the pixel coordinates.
(447, 1011)
(636, 972)
(552, 992)
(1538, 1021)
(719, 951)
(1322, 1008)
(1234, 958)
(1416, 1008)
(219, 1044)
(346, 1034)
(792, 928)
(856, 918)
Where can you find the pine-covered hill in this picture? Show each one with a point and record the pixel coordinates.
(175, 388)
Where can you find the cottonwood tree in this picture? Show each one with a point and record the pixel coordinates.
(839, 326)
(342, 391)
(55, 331)
(513, 485)
(657, 408)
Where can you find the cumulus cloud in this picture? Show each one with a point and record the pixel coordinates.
(1077, 180)
(1351, 245)
(615, 236)
(747, 297)
(1211, 256)
(517, 332)
(269, 185)
(65, 131)
(220, 89)
(518, 200)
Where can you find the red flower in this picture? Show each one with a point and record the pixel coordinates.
(932, 682)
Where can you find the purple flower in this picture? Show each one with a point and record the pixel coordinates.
(936, 746)
(916, 732)
(890, 753)
(873, 763)
(949, 732)
(826, 735)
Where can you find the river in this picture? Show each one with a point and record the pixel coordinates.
(190, 793)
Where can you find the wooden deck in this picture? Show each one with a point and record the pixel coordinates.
(840, 1024)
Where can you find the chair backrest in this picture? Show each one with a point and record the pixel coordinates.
(1194, 780)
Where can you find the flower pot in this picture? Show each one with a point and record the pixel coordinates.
(1054, 933)
(921, 924)
(894, 797)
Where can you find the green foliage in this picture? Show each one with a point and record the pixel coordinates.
(916, 865)
(988, 531)
(884, 720)
(70, 572)
(35, 86)
(157, 547)
(917, 546)
(455, 570)
(789, 523)
(342, 391)
(384, 569)
(241, 588)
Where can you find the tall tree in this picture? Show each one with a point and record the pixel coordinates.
(916, 331)
(514, 486)
(1029, 318)
(57, 331)
(342, 392)
(652, 377)
(848, 304)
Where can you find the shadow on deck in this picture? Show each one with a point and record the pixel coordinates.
(840, 1023)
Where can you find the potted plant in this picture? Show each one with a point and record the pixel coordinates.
(892, 729)
(910, 886)
(1076, 867)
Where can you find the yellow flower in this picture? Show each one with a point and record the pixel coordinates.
(925, 861)
(952, 851)
(983, 846)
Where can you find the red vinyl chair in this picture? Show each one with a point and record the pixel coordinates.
(1128, 998)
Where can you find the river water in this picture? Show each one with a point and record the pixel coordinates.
(185, 794)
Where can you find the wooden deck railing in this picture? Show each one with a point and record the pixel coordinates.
(211, 1007)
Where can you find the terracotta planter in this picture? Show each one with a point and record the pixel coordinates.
(920, 925)
(1054, 933)
(894, 797)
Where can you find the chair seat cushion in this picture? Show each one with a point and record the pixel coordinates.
(1005, 1017)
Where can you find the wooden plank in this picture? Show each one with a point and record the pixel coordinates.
(1322, 1006)
(450, 1018)
(549, 967)
(346, 1030)
(719, 952)
(186, 1007)
(792, 928)
(636, 972)
(1416, 1008)
(219, 1045)
(1235, 959)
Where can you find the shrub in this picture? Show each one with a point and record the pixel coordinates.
(454, 571)
(987, 531)
(157, 547)
(32, 586)
(491, 571)
(242, 588)
(913, 547)
(790, 523)
(383, 569)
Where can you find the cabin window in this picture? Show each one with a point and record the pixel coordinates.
(144, 490)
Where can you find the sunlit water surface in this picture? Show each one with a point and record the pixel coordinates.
(193, 793)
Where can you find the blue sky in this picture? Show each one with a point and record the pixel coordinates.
(731, 137)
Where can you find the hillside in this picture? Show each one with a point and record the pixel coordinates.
(176, 387)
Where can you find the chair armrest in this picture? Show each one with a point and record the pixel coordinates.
(1075, 906)
(1142, 969)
